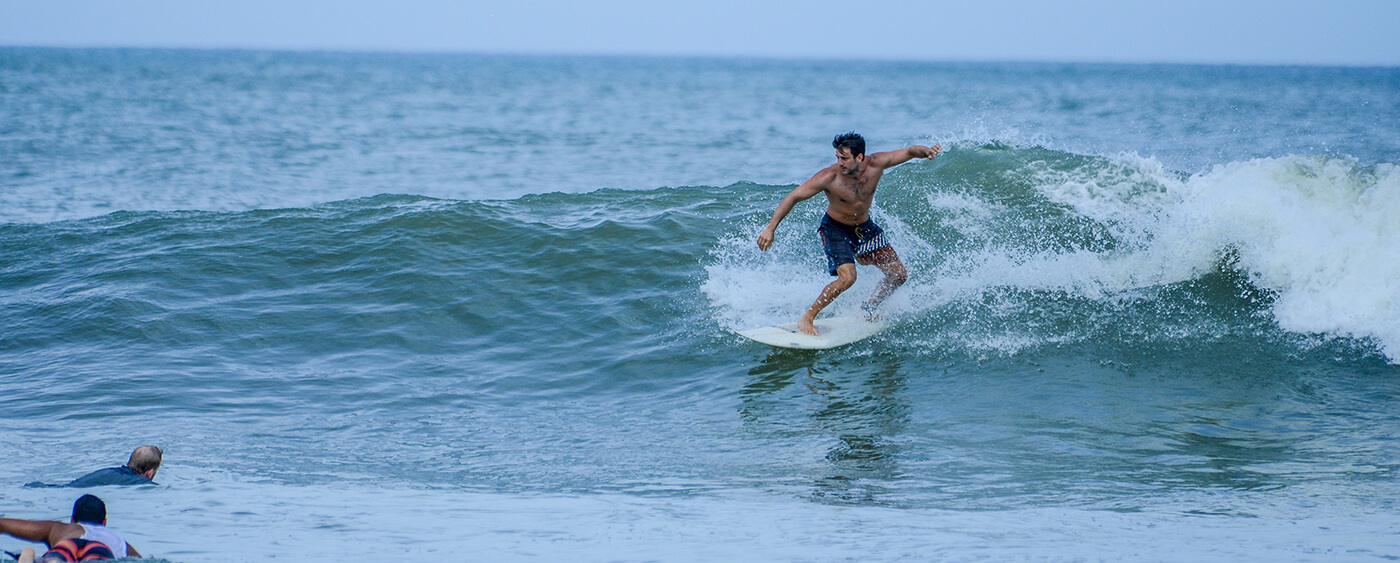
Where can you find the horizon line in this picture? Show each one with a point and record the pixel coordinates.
(679, 55)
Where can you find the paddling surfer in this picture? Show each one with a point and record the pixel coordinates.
(85, 538)
(140, 469)
(848, 234)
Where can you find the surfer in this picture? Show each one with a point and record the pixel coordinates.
(848, 234)
(140, 469)
(86, 538)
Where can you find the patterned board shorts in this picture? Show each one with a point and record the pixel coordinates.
(77, 550)
(843, 243)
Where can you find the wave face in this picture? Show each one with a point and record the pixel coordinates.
(1009, 249)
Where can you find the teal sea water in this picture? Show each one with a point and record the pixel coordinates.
(451, 307)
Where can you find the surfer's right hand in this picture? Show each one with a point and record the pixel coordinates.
(765, 240)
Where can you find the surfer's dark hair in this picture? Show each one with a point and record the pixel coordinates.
(89, 509)
(850, 141)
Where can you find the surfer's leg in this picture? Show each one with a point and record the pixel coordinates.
(840, 261)
(845, 278)
(895, 275)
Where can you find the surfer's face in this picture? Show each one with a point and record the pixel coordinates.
(849, 164)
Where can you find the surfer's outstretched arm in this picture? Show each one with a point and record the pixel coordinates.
(813, 186)
(47, 531)
(901, 156)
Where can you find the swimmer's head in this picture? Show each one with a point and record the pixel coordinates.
(145, 458)
(89, 509)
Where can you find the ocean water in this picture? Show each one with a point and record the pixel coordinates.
(479, 308)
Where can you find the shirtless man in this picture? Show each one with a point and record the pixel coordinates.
(848, 234)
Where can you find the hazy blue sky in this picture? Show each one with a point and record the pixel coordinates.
(1347, 32)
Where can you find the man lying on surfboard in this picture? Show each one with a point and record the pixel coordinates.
(848, 234)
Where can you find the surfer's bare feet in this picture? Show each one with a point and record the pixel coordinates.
(805, 325)
(871, 315)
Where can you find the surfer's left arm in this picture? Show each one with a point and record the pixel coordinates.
(895, 158)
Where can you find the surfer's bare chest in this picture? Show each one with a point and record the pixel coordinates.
(858, 191)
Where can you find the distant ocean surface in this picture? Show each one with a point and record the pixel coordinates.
(383, 307)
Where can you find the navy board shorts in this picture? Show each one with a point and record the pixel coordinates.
(843, 243)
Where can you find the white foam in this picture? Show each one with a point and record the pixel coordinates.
(1320, 233)
(1323, 234)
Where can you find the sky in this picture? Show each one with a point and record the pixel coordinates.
(1287, 32)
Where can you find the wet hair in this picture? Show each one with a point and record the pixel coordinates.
(144, 459)
(850, 141)
(89, 509)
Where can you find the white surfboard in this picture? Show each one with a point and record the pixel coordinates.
(835, 331)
